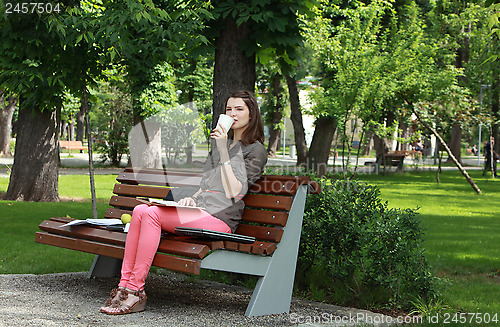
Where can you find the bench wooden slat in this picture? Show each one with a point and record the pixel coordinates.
(197, 251)
(251, 200)
(85, 232)
(245, 247)
(191, 266)
(274, 187)
(116, 213)
(161, 180)
(61, 219)
(258, 247)
(314, 187)
(212, 245)
(109, 250)
(114, 251)
(265, 217)
(263, 248)
(143, 191)
(268, 201)
(123, 202)
(272, 234)
(250, 215)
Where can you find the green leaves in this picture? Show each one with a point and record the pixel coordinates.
(275, 24)
(363, 251)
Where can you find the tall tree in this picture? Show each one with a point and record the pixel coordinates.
(34, 64)
(234, 69)
(275, 107)
(296, 118)
(42, 54)
(7, 107)
(246, 31)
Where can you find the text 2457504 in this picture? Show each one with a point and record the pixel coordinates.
(32, 8)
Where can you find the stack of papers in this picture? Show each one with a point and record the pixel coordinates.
(98, 222)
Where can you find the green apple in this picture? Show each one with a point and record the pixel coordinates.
(126, 218)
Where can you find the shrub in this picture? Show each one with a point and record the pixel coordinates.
(356, 251)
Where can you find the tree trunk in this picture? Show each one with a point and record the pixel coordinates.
(319, 152)
(391, 118)
(86, 114)
(296, 118)
(233, 69)
(368, 143)
(145, 144)
(6, 114)
(456, 144)
(277, 117)
(461, 59)
(274, 136)
(64, 131)
(495, 98)
(71, 130)
(144, 141)
(462, 53)
(80, 124)
(379, 145)
(450, 154)
(405, 135)
(35, 172)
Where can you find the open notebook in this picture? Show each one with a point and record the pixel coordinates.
(165, 203)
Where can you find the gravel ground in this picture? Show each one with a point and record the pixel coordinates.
(71, 299)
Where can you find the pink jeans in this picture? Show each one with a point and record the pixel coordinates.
(144, 236)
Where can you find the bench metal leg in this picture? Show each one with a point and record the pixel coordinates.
(105, 267)
(273, 292)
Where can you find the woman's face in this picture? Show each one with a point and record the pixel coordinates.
(238, 110)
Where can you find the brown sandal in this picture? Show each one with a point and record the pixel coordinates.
(124, 308)
(114, 299)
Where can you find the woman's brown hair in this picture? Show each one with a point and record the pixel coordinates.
(255, 130)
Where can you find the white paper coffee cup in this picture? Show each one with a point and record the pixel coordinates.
(226, 122)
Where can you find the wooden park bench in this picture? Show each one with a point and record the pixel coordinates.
(390, 160)
(273, 215)
(72, 145)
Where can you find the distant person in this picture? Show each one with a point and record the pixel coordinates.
(418, 149)
(473, 150)
(490, 154)
(419, 146)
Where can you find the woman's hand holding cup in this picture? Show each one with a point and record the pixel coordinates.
(220, 132)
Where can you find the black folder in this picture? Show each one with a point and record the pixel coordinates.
(214, 235)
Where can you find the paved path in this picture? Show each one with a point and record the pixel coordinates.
(77, 163)
(71, 299)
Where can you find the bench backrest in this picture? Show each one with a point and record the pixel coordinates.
(78, 145)
(266, 205)
(70, 143)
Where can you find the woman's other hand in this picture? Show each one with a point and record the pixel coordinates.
(187, 202)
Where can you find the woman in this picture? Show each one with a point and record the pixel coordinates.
(237, 160)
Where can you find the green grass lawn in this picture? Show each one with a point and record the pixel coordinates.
(462, 231)
(19, 254)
